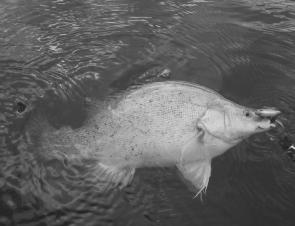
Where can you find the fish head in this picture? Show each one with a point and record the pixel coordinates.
(224, 125)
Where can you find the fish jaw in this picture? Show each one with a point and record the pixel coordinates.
(265, 125)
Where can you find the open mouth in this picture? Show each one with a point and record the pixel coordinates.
(265, 125)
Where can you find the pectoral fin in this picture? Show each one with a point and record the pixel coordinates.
(197, 174)
(112, 176)
(192, 150)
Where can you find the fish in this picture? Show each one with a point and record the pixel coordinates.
(161, 124)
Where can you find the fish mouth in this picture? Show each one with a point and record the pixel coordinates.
(268, 118)
(266, 125)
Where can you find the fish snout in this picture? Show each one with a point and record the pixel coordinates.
(267, 118)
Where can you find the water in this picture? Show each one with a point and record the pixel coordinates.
(54, 54)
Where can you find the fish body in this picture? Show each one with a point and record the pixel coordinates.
(162, 124)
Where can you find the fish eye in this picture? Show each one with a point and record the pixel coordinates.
(247, 114)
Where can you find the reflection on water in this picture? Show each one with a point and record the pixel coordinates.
(54, 54)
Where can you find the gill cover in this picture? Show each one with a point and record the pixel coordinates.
(216, 122)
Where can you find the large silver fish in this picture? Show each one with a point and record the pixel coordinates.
(161, 124)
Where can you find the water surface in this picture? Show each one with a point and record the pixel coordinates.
(56, 54)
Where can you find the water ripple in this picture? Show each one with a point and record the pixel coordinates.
(54, 54)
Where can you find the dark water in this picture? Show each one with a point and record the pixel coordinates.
(54, 54)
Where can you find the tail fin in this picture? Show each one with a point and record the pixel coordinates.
(35, 128)
(47, 140)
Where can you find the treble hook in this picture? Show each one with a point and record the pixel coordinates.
(287, 144)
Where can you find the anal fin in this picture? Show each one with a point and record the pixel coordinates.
(113, 176)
